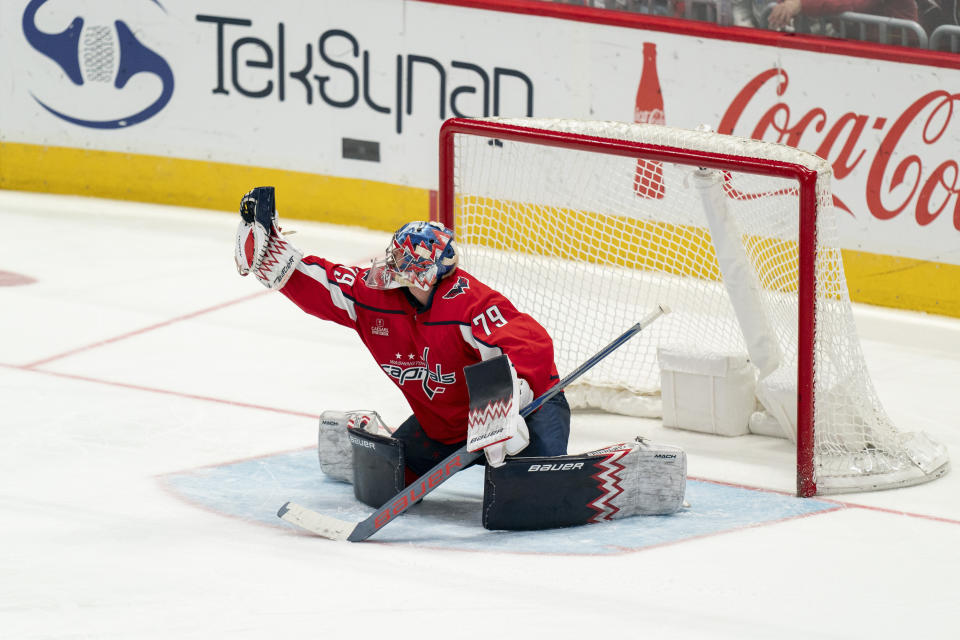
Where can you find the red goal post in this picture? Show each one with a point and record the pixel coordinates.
(577, 189)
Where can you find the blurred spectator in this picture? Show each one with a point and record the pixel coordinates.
(934, 13)
(783, 13)
(742, 13)
(650, 7)
(638, 6)
(818, 17)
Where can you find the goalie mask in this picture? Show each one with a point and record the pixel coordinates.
(419, 255)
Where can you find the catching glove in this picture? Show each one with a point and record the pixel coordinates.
(257, 216)
(261, 247)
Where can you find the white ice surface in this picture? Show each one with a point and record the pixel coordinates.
(139, 352)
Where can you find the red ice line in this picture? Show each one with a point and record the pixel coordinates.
(32, 367)
(130, 334)
(840, 504)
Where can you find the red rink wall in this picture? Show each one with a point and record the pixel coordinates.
(339, 104)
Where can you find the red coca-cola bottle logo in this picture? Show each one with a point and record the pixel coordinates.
(648, 109)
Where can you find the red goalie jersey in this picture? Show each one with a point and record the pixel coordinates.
(424, 349)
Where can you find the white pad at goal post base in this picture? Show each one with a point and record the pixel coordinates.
(710, 393)
(637, 478)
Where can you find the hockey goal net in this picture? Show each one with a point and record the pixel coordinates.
(588, 226)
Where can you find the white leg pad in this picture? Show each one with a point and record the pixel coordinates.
(654, 480)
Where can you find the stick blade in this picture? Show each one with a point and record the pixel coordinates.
(316, 523)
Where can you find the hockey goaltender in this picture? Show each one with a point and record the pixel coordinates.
(424, 319)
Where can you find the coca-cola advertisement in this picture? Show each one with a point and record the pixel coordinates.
(648, 109)
(890, 132)
(878, 172)
(349, 97)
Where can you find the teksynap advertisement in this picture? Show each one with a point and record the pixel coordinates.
(359, 89)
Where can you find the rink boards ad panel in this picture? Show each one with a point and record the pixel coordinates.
(194, 102)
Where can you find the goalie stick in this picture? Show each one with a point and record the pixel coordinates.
(337, 529)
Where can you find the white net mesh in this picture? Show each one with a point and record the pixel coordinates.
(590, 242)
